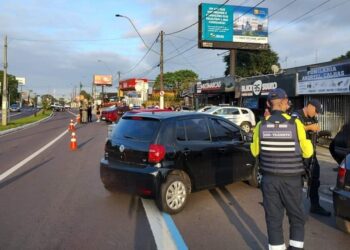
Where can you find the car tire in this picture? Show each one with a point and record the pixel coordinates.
(174, 192)
(246, 127)
(342, 224)
(255, 177)
(107, 178)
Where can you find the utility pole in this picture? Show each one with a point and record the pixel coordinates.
(4, 87)
(161, 101)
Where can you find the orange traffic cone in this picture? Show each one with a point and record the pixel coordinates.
(71, 126)
(73, 142)
(78, 118)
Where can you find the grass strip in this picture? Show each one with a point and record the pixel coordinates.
(26, 120)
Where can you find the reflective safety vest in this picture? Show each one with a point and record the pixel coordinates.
(280, 152)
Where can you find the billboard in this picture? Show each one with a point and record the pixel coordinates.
(103, 80)
(21, 80)
(324, 80)
(232, 27)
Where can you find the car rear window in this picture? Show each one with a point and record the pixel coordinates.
(244, 111)
(136, 128)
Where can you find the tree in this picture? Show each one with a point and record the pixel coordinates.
(178, 80)
(342, 57)
(253, 62)
(12, 87)
(86, 95)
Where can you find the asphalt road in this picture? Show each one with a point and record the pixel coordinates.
(57, 201)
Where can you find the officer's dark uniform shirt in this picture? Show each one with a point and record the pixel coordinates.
(306, 121)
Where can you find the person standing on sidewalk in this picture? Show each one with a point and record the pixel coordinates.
(280, 143)
(307, 116)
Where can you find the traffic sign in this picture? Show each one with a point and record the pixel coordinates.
(161, 93)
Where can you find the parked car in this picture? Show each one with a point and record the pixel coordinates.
(341, 196)
(113, 114)
(242, 117)
(15, 108)
(168, 155)
(205, 108)
(57, 107)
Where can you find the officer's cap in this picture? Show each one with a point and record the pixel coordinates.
(316, 103)
(277, 93)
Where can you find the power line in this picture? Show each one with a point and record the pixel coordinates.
(189, 63)
(301, 16)
(284, 7)
(144, 56)
(168, 59)
(66, 40)
(189, 26)
(326, 10)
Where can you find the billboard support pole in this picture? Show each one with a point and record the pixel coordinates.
(233, 55)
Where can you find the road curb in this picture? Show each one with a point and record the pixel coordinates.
(11, 130)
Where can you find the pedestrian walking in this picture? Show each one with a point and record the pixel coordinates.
(89, 113)
(308, 116)
(98, 113)
(280, 144)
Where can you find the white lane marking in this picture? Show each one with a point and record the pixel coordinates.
(321, 198)
(162, 233)
(71, 113)
(26, 160)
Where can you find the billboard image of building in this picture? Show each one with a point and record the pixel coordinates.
(232, 27)
(103, 80)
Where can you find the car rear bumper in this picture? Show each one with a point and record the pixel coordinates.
(341, 203)
(142, 181)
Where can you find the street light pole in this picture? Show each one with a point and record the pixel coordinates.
(4, 87)
(138, 33)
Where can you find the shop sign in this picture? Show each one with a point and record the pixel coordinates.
(209, 86)
(258, 88)
(325, 80)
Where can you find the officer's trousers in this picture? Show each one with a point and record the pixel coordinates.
(282, 193)
(315, 183)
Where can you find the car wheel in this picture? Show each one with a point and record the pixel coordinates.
(342, 224)
(246, 127)
(255, 177)
(174, 193)
(107, 178)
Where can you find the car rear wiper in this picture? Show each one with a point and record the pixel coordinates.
(128, 137)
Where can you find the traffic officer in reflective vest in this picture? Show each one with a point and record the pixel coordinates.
(280, 143)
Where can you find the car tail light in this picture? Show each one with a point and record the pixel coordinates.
(341, 174)
(156, 153)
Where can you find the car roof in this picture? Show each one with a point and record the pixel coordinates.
(167, 115)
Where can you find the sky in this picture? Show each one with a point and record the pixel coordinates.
(56, 45)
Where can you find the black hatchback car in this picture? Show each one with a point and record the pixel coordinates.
(341, 196)
(167, 155)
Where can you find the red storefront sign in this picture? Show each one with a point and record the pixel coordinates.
(129, 84)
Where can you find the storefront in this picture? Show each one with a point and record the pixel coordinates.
(330, 84)
(215, 91)
(254, 91)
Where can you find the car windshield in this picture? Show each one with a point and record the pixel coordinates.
(211, 110)
(135, 128)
